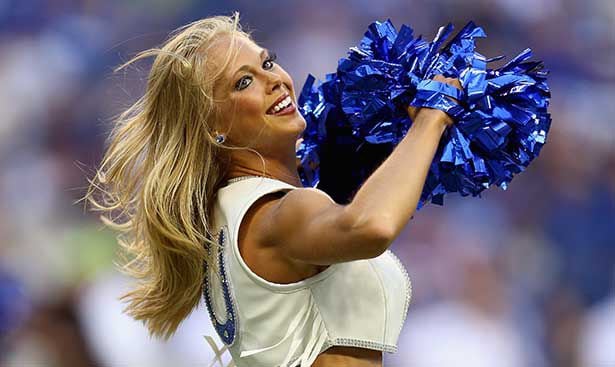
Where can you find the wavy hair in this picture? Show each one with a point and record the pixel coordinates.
(160, 172)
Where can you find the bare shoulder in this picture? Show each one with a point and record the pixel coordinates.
(307, 195)
(282, 209)
(298, 207)
(264, 256)
(298, 203)
(305, 225)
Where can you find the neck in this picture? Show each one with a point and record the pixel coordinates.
(246, 163)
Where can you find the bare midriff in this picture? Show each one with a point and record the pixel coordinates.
(349, 357)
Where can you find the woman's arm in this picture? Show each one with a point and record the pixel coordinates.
(391, 193)
(307, 226)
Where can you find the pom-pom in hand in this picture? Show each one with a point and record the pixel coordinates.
(446, 119)
(357, 115)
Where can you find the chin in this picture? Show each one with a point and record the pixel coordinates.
(296, 123)
(300, 124)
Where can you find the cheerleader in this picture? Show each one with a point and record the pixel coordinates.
(200, 178)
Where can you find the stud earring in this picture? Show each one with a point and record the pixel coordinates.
(220, 138)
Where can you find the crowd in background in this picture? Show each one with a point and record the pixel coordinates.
(522, 277)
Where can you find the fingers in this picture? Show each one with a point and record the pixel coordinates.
(451, 81)
(414, 111)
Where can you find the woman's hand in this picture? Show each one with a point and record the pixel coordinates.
(432, 113)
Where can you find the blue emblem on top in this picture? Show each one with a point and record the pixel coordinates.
(225, 330)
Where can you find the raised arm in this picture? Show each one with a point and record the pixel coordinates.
(307, 226)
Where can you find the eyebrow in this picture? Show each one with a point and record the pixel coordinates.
(246, 67)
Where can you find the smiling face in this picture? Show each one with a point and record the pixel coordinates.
(257, 105)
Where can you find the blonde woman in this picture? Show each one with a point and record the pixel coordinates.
(200, 178)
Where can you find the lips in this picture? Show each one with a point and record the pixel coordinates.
(270, 110)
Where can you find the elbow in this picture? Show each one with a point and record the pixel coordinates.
(381, 235)
(374, 234)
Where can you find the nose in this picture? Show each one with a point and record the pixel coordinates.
(275, 82)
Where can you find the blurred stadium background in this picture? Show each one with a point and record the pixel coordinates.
(523, 277)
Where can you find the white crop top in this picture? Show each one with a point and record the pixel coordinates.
(360, 303)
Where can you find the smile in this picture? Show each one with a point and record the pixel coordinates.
(283, 106)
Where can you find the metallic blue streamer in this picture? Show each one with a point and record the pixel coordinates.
(358, 114)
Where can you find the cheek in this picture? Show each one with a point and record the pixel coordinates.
(287, 78)
(246, 113)
(248, 107)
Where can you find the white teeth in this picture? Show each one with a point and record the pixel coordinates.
(280, 106)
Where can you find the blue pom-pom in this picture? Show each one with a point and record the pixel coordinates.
(358, 114)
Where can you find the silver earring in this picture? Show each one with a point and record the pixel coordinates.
(220, 138)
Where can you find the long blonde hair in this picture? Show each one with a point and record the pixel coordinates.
(160, 172)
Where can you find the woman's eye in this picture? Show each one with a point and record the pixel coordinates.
(243, 82)
(269, 62)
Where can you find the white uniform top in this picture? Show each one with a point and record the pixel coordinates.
(360, 303)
